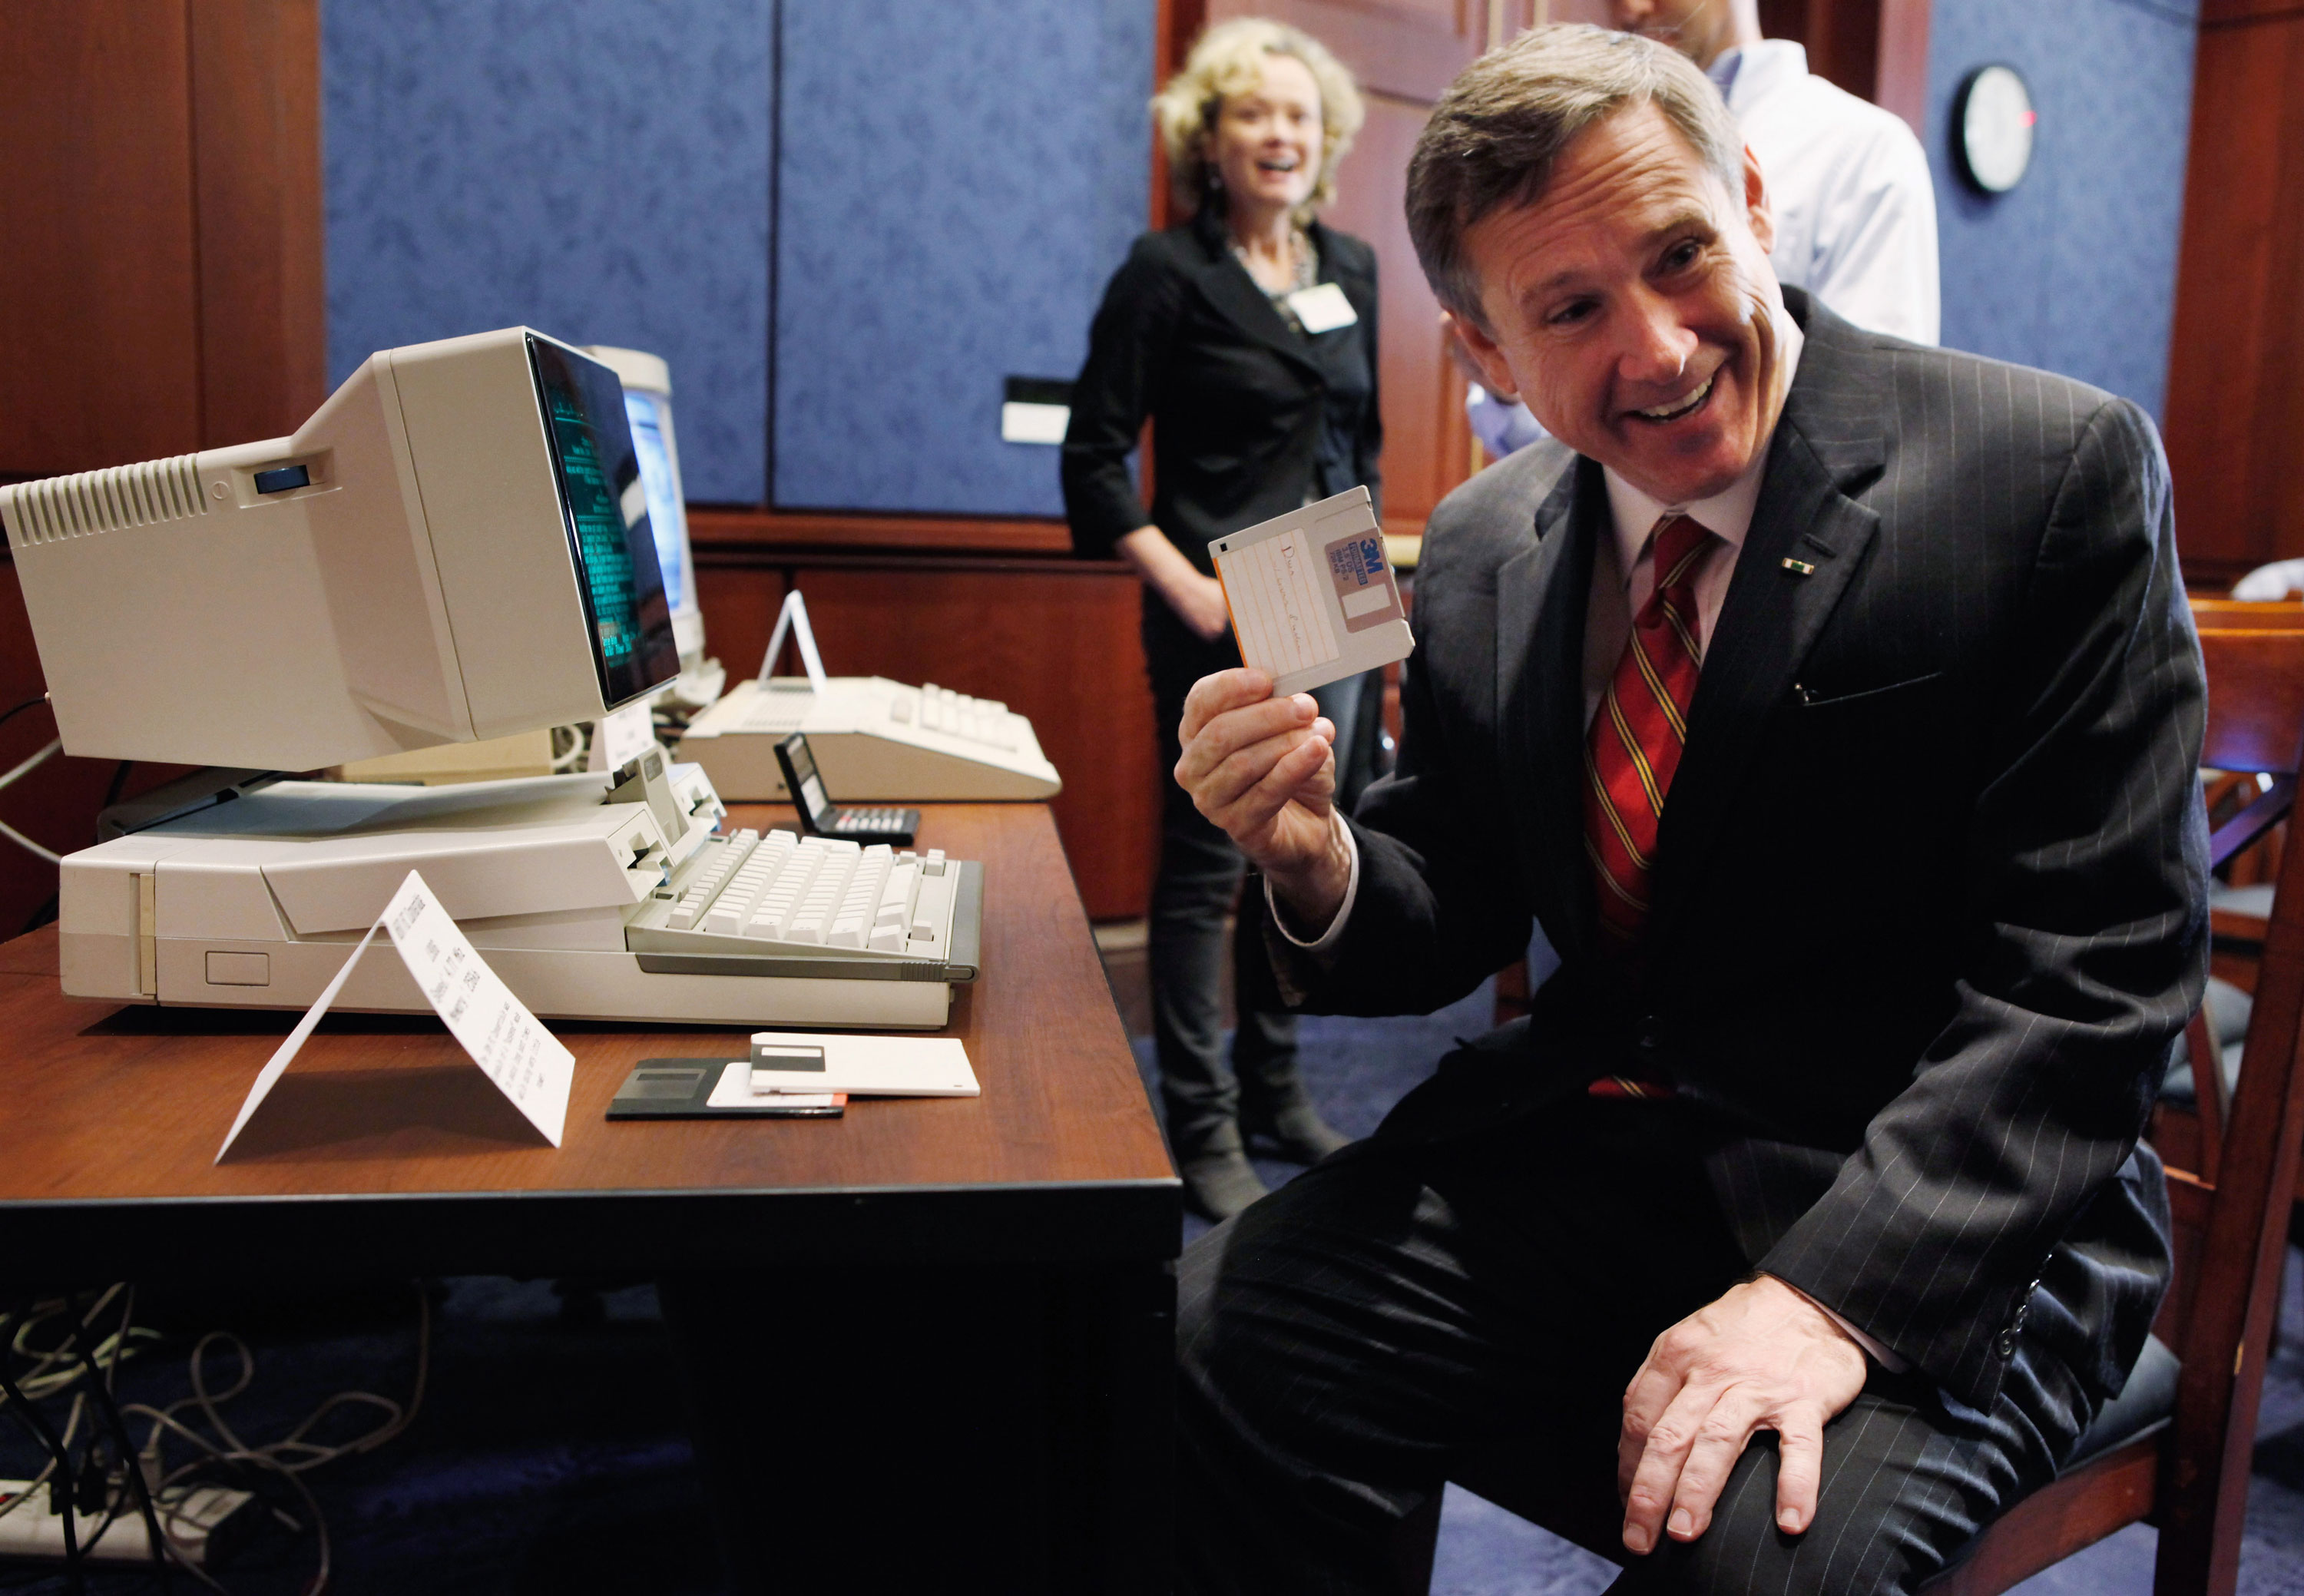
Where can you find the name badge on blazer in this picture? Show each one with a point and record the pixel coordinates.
(1322, 308)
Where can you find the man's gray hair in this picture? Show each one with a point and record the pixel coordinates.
(1497, 133)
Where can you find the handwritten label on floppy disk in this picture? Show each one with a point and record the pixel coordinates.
(495, 1029)
(1313, 599)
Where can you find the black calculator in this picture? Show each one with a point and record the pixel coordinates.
(821, 816)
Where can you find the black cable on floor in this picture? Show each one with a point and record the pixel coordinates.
(109, 1412)
(75, 1578)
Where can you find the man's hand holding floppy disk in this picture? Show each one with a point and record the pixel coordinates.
(1313, 601)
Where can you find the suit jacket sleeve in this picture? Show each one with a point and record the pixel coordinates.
(1434, 915)
(2086, 872)
(1126, 353)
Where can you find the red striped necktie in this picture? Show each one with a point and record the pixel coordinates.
(1633, 750)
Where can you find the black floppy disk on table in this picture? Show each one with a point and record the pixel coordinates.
(684, 1088)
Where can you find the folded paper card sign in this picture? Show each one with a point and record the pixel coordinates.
(495, 1029)
(1313, 599)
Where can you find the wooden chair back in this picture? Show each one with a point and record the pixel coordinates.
(2256, 725)
(2256, 696)
(2239, 615)
(2236, 920)
(2230, 1214)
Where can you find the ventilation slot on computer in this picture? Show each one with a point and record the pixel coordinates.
(105, 501)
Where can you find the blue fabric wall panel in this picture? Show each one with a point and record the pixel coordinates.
(2075, 271)
(956, 179)
(597, 169)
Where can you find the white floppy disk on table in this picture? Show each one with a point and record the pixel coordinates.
(1312, 597)
(813, 1062)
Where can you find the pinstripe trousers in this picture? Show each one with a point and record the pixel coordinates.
(1353, 1339)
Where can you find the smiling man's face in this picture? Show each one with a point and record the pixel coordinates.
(1633, 309)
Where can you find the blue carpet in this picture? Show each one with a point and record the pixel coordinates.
(1356, 1070)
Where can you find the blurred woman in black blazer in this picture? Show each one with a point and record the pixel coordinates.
(1262, 393)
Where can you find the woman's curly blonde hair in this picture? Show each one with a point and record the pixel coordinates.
(1228, 59)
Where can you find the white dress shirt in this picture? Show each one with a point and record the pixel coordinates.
(1502, 425)
(1854, 206)
(1847, 184)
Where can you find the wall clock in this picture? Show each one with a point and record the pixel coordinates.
(1992, 122)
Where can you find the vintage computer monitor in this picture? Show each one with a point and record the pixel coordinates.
(866, 726)
(457, 546)
(648, 406)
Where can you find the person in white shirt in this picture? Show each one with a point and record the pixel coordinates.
(1856, 214)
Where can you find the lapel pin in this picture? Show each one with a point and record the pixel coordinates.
(1798, 567)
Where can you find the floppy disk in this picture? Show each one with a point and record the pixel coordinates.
(1312, 598)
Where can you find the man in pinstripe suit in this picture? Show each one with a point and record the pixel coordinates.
(1832, 704)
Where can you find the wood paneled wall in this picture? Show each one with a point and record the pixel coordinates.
(261, 229)
(100, 286)
(161, 291)
(1877, 49)
(2235, 410)
(1055, 639)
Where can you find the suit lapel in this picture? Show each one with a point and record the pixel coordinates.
(1542, 596)
(1774, 612)
(1227, 285)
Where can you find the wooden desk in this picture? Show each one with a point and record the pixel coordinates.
(384, 1152)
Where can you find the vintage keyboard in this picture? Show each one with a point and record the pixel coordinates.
(875, 741)
(782, 896)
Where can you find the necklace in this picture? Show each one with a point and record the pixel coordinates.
(1304, 262)
(1304, 272)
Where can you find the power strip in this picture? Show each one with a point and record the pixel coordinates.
(205, 1522)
